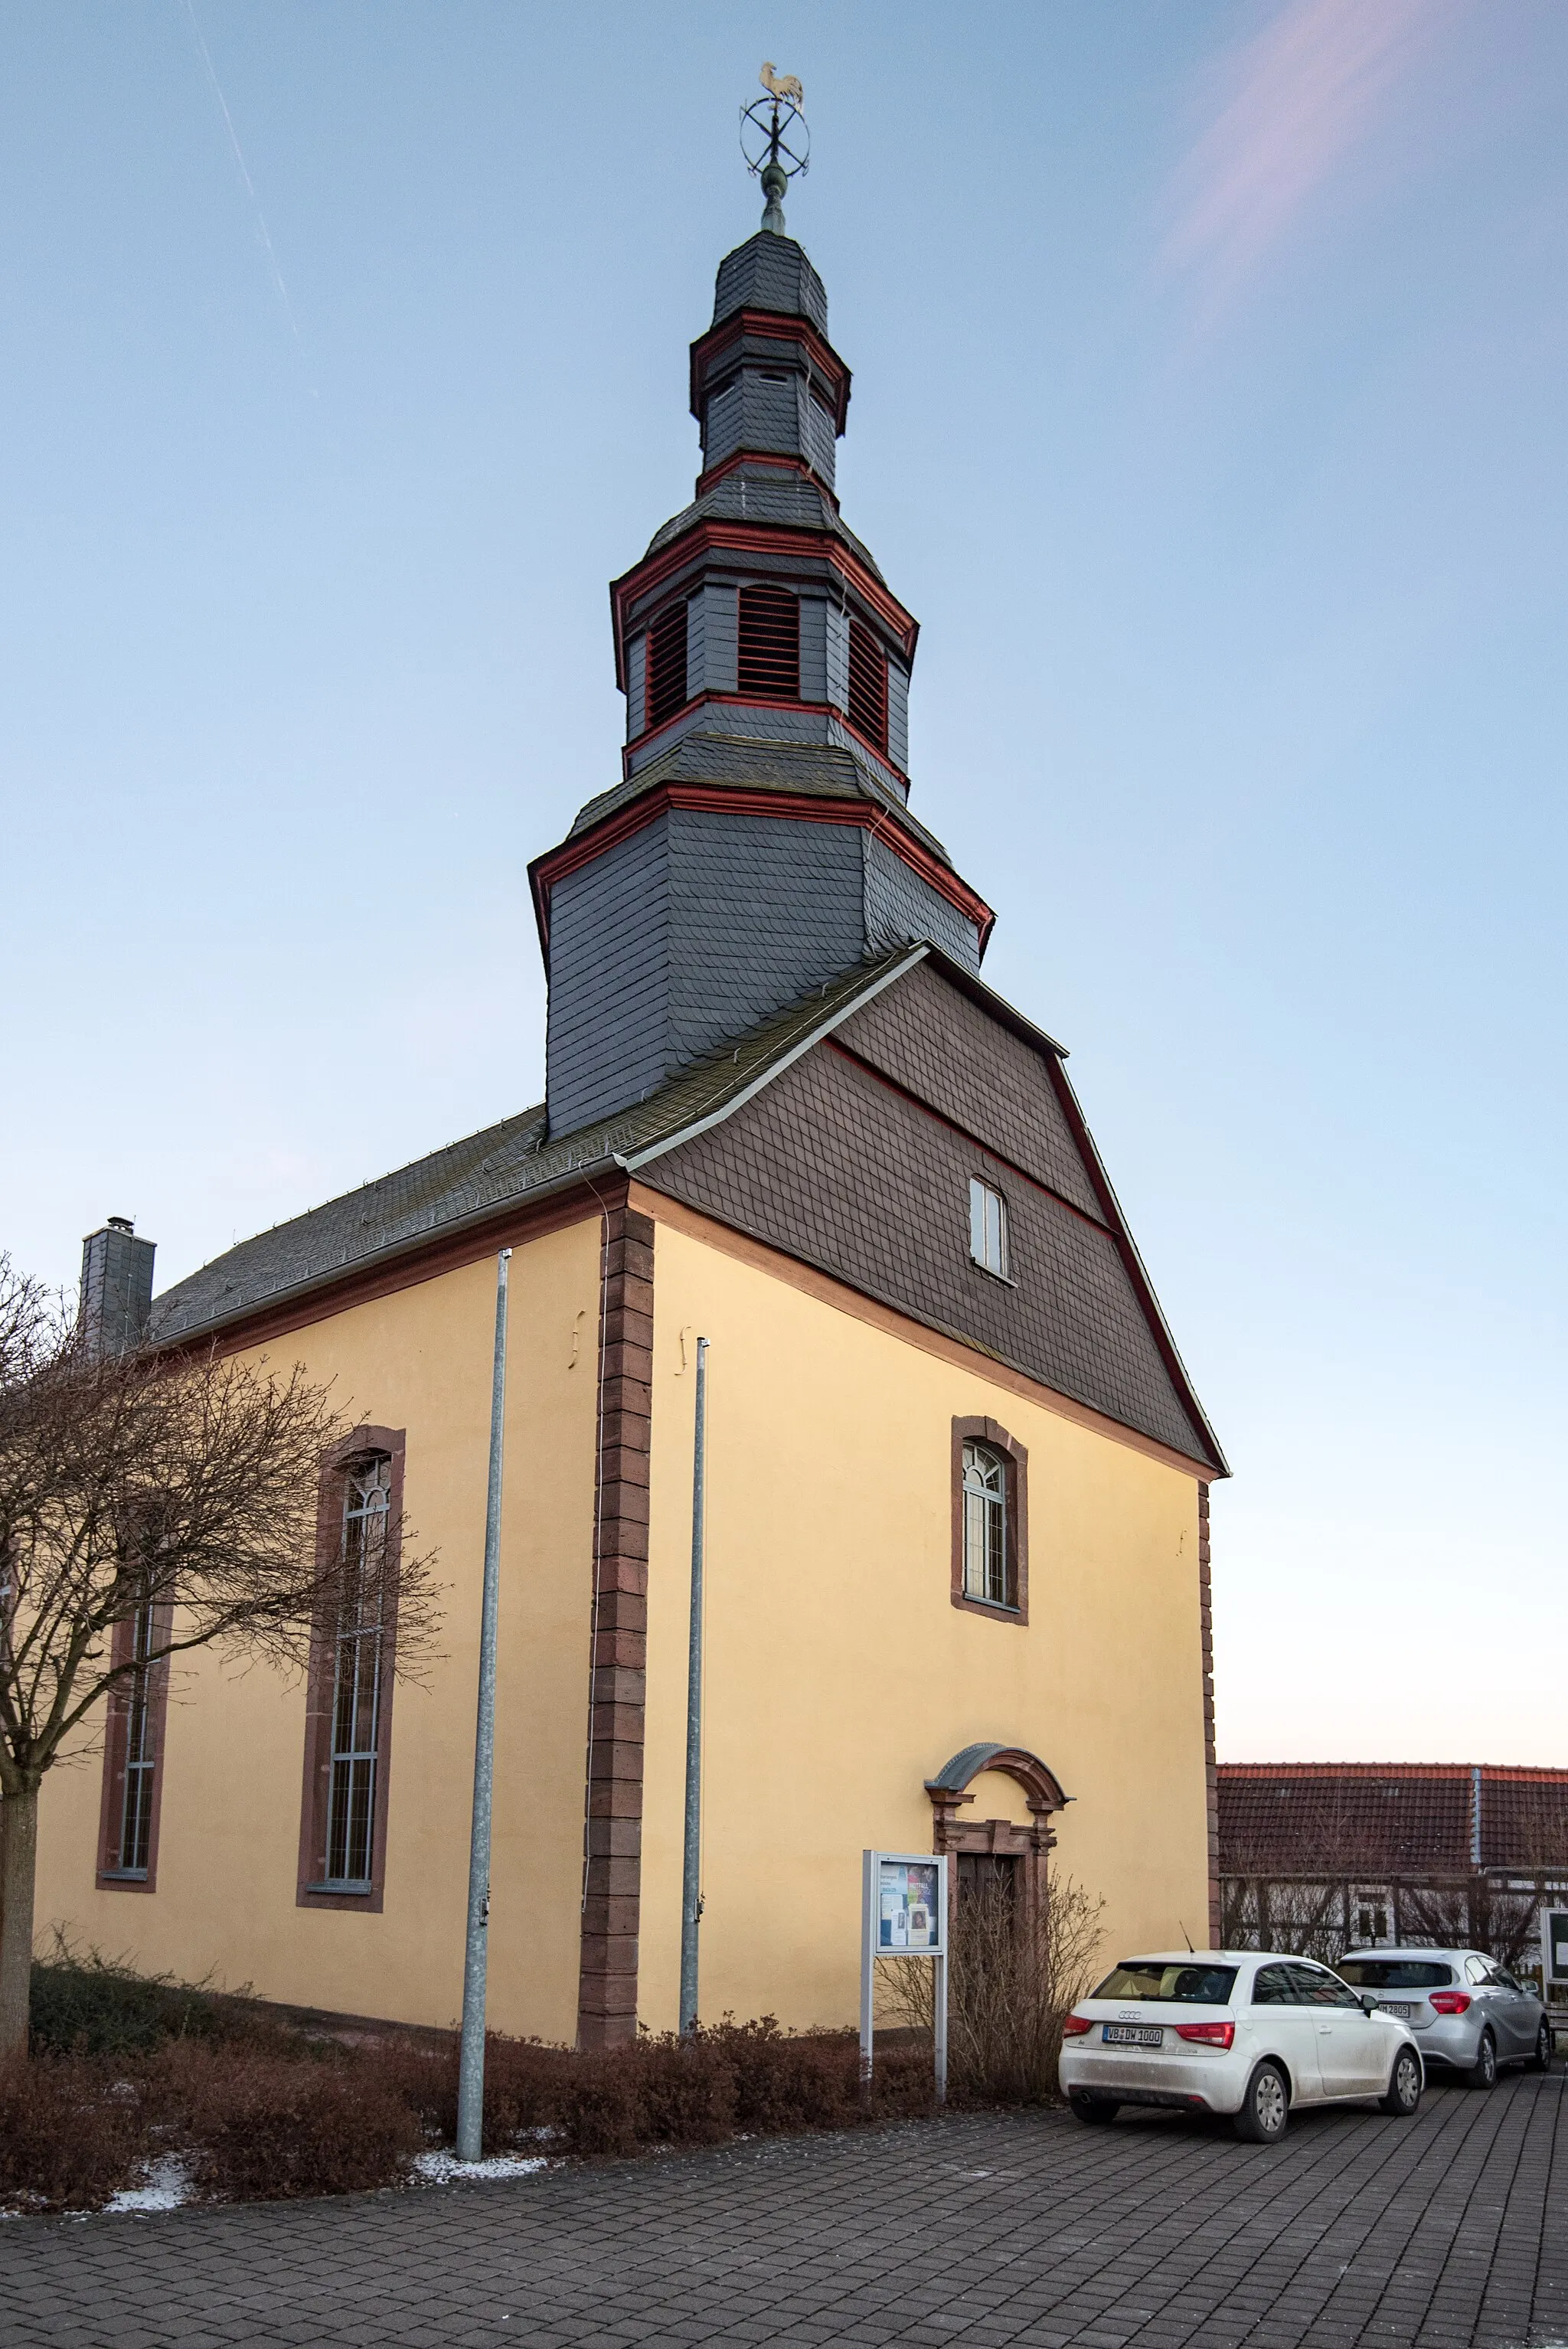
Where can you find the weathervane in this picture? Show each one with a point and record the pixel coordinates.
(775, 140)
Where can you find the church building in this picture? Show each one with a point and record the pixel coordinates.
(957, 1593)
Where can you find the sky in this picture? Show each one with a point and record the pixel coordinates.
(1209, 369)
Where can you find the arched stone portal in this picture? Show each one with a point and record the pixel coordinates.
(1015, 1853)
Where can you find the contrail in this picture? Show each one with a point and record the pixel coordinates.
(266, 243)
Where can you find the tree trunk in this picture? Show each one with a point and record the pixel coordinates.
(18, 1873)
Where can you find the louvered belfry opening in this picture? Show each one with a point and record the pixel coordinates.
(868, 685)
(666, 688)
(769, 650)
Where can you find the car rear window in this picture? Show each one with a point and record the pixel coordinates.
(1177, 1985)
(1395, 1973)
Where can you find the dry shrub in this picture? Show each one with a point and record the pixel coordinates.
(263, 2127)
(285, 2114)
(1011, 1982)
(88, 2004)
(70, 2134)
(750, 2078)
(524, 2084)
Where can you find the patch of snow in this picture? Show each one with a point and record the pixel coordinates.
(441, 2168)
(168, 2185)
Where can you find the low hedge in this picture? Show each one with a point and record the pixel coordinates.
(126, 2070)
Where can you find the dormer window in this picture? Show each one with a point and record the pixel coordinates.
(666, 686)
(868, 686)
(769, 659)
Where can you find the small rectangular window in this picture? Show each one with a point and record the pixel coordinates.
(988, 1228)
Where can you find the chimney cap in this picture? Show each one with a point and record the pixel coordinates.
(120, 1223)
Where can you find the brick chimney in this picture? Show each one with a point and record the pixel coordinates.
(117, 1285)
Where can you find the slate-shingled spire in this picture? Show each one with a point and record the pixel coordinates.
(760, 842)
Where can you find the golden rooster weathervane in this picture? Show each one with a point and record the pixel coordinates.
(774, 140)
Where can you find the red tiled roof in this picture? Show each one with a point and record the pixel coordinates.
(1394, 1818)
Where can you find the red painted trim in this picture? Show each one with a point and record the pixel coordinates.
(755, 538)
(775, 325)
(759, 701)
(705, 482)
(572, 854)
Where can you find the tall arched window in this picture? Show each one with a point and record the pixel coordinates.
(356, 1687)
(768, 658)
(986, 1575)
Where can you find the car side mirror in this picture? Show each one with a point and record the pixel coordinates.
(1369, 2003)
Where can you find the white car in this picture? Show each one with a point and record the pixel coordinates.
(1244, 2032)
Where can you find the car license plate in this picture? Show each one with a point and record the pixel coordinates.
(1130, 2034)
(1392, 2006)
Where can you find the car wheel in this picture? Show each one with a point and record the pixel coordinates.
(1265, 2108)
(1093, 2109)
(1482, 2072)
(1541, 2059)
(1405, 2086)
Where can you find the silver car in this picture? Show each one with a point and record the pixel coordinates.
(1465, 2010)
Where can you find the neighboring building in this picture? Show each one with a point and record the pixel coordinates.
(957, 1556)
(1322, 1857)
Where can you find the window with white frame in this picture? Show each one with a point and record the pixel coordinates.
(985, 1574)
(988, 1228)
(357, 1683)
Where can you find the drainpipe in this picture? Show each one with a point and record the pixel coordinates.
(476, 1954)
(691, 1875)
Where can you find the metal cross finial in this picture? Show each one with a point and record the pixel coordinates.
(775, 141)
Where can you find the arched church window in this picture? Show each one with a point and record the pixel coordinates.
(770, 649)
(868, 685)
(358, 1679)
(667, 685)
(985, 1526)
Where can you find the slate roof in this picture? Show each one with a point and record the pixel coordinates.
(505, 1165)
(1323, 1819)
(770, 272)
(766, 493)
(778, 1133)
(746, 762)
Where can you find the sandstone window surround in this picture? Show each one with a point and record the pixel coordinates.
(990, 1571)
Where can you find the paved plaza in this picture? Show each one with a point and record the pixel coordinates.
(1448, 2230)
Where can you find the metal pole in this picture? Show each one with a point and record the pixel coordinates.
(691, 1878)
(472, 2063)
(939, 2006)
(868, 1953)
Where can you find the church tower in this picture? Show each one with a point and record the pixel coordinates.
(760, 840)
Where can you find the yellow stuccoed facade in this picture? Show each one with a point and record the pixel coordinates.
(840, 1676)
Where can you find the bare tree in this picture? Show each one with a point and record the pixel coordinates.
(1011, 1980)
(168, 1498)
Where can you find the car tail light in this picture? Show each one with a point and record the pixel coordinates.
(1449, 2002)
(1076, 2025)
(1207, 2034)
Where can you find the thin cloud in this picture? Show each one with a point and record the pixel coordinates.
(1293, 103)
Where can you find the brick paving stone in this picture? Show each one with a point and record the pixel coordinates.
(985, 2231)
